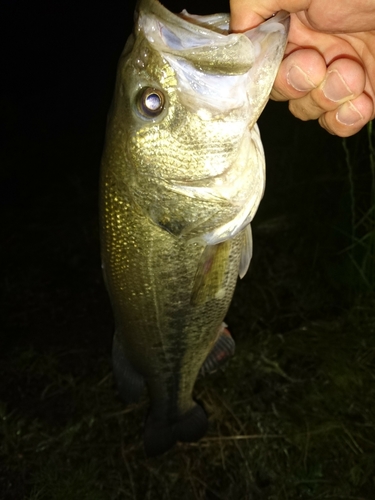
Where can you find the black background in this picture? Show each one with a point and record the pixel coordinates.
(58, 76)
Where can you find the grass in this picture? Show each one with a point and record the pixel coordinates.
(361, 248)
(292, 416)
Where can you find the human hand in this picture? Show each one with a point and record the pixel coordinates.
(325, 76)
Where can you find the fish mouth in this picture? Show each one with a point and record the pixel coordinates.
(222, 77)
(201, 50)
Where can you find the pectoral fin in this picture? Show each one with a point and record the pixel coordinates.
(246, 251)
(210, 275)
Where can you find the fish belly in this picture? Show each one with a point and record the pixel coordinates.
(164, 330)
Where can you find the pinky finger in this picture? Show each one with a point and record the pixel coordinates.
(348, 118)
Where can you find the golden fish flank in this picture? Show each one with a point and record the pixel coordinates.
(182, 177)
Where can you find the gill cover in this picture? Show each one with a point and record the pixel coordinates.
(218, 74)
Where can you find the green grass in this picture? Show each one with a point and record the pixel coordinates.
(361, 178)
(293, 416)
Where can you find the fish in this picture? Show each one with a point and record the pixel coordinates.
(182, 175)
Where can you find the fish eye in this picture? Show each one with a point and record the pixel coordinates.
(151, 102)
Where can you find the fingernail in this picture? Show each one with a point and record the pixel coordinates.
(348, 114)
(299, 80)
(335, 88)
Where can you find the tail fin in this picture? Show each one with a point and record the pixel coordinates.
(160, 436)
(130, 383)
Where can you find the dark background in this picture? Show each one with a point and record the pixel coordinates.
(57, 79)
(59, 73)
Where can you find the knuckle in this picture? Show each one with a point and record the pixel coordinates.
(305, 109)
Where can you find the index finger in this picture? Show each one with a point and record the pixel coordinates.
(242, 17)
(246, 14)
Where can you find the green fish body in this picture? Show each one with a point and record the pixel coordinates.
(182, 176)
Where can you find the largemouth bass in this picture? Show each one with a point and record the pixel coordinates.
(182, 176)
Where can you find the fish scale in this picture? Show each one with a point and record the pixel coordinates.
(180, 184)
(167, 313)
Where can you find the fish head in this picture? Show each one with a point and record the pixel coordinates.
(187, 99)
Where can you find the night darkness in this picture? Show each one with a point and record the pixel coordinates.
(303, 318)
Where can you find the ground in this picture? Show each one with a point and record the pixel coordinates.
(293, 414)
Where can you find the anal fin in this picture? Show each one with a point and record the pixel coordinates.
(222, 350)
